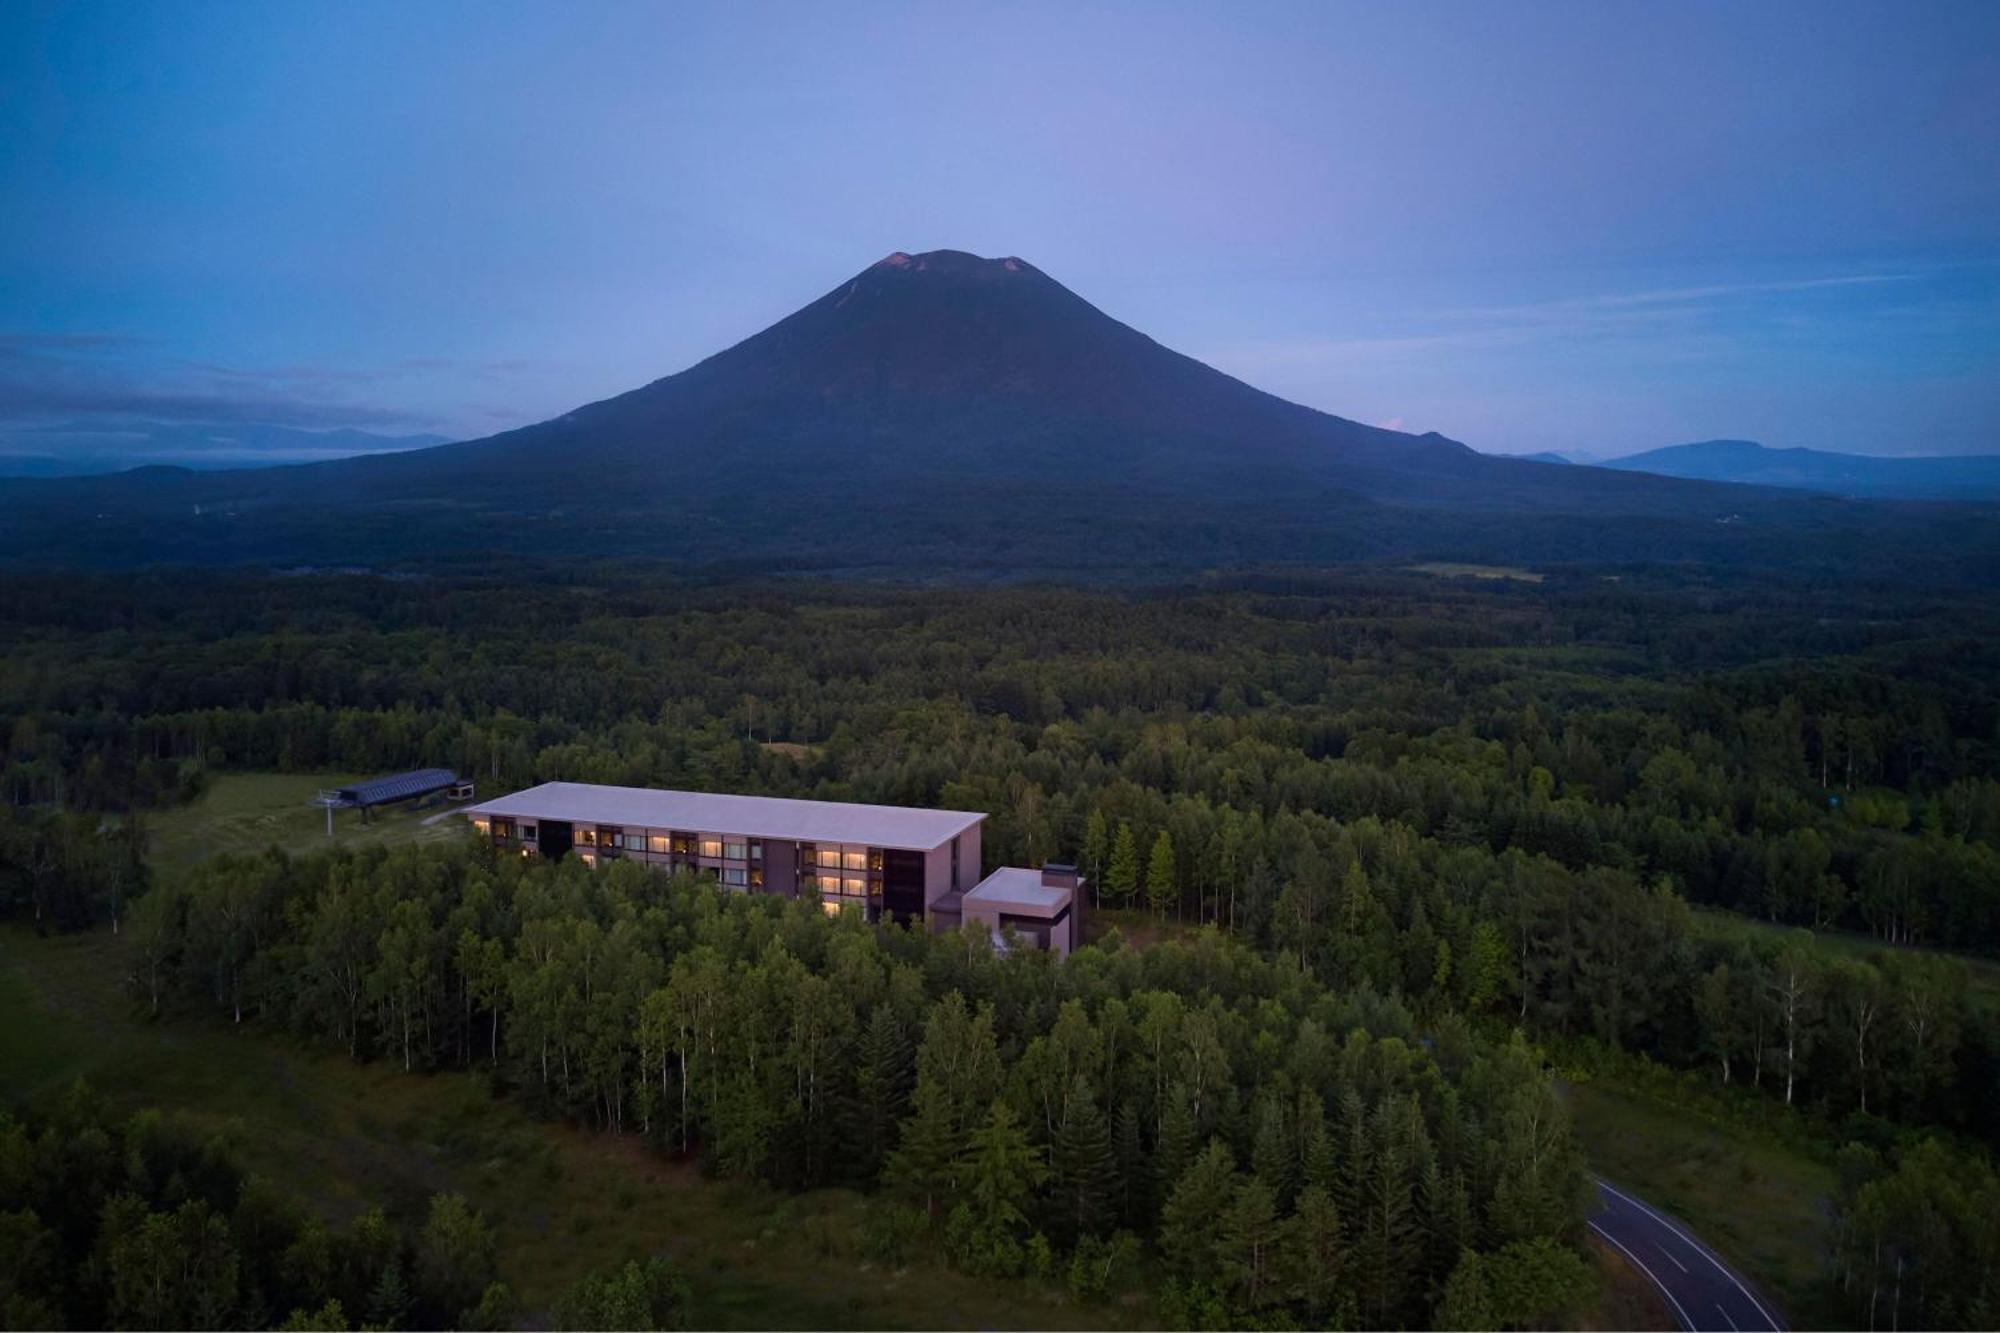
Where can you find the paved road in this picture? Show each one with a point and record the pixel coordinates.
(1705, 1294)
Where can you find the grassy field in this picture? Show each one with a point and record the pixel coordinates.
(1140, 927)
(1761, 1205)
(563, 1201)
(247, 812)
(1451, 569)
(1629, 1300)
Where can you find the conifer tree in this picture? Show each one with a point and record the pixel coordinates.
(921, 1167)
(1312, 1253)
(1467, 1302)
(1248, 1243)
(1135, 1169)
(389, 1301)
(1178, 1140)
(1096, 847)
(1086, 1169)
(1272, 1159)
(997, 1175)
(881, 1089)
(1121, 877)
(1161, 890)
(1188, 1233)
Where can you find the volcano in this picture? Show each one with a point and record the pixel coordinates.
(943, 412)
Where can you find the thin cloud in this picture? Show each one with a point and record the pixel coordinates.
(86, 377)
(1672, 296)
(1481, 328)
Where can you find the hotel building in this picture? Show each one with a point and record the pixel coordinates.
(912, 864)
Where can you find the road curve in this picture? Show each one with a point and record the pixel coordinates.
(1705, 1294)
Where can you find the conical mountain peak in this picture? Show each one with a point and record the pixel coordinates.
(953, 261)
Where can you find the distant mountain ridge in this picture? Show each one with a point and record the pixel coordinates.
(89, 448)
(1963, 477)
(939, 412)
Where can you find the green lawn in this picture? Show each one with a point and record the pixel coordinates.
(1761, 1205)
(1140, 927)
(563, 1201)
(247, 812)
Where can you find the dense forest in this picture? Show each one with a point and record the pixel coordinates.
(1283, 1146)
(1615, 812)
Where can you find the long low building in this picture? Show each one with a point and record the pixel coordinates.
(884, 858)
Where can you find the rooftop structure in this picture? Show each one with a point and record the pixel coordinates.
(396, 787)
(897, 826)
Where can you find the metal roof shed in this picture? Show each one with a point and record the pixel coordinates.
(397, 787)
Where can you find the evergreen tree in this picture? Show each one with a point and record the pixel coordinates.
(881, 1091)
(1388, 1239)
(1135, 1169)
(1121, 877)
(1273, 1159)
(1161, 889)
(921, 1167)
(1249, 1242)
(1096, 847)
(1179, 1136)
(1311, 1253)
(997, 1175)
(1188, 1219)
(1467, 1302)
(389, 1301)
(1086, 1168)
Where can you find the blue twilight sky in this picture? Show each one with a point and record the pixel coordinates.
(1597, 226)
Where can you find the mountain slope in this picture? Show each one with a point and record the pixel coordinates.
(934, 412)
(1974, 477)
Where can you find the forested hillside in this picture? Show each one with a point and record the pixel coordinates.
(1609, 812)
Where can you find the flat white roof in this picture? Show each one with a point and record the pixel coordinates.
(1018, 887)
(901, 827)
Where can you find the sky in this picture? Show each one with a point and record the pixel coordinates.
(1594, 227)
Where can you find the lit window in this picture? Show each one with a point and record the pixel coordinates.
(659, 843)
(829, 884)
(830, 857)
(855, 859)
(482, 826)
(712, 848)
(856, 888)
